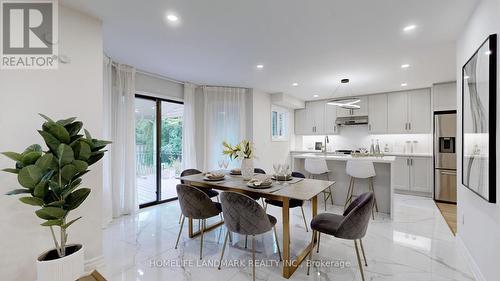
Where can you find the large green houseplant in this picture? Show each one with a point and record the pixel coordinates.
(51, 178)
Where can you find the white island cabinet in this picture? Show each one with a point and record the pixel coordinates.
(413, 175)
(383, 182)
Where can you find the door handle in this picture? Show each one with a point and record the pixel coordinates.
(448, 173)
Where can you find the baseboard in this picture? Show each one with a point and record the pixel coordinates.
(93, 263)
(472, 263)
(414, 193)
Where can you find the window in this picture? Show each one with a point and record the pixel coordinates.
(279, 123)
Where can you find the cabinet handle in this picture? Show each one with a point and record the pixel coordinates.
(334, 128)
(369, 127)
(407, 162)
(411, 162)
(409, 126)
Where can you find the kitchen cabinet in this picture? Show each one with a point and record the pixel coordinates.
(444, 96)
(330, 127)
(413, 174)
(301, 127)
(316, 119)
(350, 112)
(377, 114)
(409, 112)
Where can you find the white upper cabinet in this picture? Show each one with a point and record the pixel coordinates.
(397, 112)
(377, 114)
(444, 96)
(419, 111)
(409, 112)
(301, 122)
(330, 116)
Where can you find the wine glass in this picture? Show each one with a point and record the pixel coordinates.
(225, 163)
(221, 164)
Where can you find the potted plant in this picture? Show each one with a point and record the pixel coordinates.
(243, 151)
(50, 180)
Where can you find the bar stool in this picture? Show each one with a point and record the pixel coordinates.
(360, 169)
(318, 167)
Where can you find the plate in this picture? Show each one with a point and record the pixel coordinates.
(259, 186)
(216, 179)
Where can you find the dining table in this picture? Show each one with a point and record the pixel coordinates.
(296, 188)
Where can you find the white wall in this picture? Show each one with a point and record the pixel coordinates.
(75, 89)
(268, 152)
(478, 220)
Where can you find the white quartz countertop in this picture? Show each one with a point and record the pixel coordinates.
(333, 157)
(399, 154)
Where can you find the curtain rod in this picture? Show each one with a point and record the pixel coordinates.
(234, 87)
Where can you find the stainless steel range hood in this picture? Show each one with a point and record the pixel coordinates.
(351, 120)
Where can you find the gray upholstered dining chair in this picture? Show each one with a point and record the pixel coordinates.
(210, 192)
(293, 203)
(245, 216)
(352, 225)
(196, 204)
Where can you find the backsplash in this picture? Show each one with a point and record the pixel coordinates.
(354, 137)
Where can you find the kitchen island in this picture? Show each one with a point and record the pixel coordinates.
(383, 181)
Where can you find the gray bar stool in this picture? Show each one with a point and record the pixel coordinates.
(196, 204)
(360, 169)
(352, 225)
(245, 216)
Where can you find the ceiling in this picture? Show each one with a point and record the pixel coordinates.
(314, 43)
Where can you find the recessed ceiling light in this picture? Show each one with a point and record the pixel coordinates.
(409, 28)
(260, 66)
(295, 84)
(404, 84)
(315, 96)
(405, 65)
(172, 18)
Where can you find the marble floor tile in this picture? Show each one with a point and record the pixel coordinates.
(416, 245)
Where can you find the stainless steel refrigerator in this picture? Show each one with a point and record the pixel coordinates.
(445, 157)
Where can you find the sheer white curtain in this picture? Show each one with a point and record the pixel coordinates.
(188, 128)
(106, 177)
(120, 178)
(225, 120)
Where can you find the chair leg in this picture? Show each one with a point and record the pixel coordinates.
(319, 237)
(246, 241)
(223, 249)
(230, 236)
(277, 242)
(331, 194)
(311, 252)
(202, 230)
(363, 251)
(359, 261)
(304, 217)
(180, 218)
(349, 193)
(180, 231)
(218, 201)
(253, 256)
(372, 189)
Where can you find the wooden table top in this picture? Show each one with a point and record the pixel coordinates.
(305, 189)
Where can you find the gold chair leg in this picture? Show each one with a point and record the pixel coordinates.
(363, 251)
(277, 242)
(253, 256)
(374, 197)
(331, 195)
(180, 231)
(202, 230)
(311, 252)
(359, 261)
(180, 218)
(304, 217)
(223, 249)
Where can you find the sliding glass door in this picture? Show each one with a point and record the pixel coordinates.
(158, 137)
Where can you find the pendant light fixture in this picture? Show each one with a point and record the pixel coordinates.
(348, 102)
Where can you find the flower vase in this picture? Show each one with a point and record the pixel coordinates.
(247, 168)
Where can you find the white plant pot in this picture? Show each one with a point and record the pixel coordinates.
(247, 168)
(68, 268)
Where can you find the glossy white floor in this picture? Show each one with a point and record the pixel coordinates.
(416, 245)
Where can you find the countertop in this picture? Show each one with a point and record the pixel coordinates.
(399, 154)
(331, 157)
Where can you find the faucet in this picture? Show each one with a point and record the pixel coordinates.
(327, 140)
